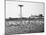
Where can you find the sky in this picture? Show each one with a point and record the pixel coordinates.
(28, 9)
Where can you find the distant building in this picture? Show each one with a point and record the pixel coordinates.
(39, 16)
(10, 18)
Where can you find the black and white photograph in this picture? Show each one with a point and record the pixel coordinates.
(24, 17)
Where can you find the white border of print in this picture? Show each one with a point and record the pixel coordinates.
(2, 18)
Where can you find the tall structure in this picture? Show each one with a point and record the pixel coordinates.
(20, 10)
(21, 13)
